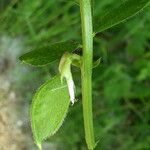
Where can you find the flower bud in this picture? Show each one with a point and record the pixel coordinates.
(65, 71)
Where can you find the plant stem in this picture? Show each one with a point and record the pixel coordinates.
(39, 146)
(86, 70)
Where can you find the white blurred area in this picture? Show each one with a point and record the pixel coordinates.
(15, 132)
(13, 115)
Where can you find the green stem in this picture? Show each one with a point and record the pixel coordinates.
(86, 70)
(39, 146)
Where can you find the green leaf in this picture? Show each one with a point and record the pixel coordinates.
(125, 10)
(48, 54)
(49, 108)
(96, 63)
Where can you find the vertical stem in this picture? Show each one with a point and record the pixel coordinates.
(86, 70)
(39, 146)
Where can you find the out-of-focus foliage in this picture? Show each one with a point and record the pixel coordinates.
(121, 84)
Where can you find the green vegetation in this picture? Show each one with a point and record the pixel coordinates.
(121, 83)
(52, 102)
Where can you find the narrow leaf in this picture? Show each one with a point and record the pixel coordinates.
(49, 108)
(96, 63)
(127, 9)
(48, 54)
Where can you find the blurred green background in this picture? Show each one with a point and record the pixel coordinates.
(121, 83)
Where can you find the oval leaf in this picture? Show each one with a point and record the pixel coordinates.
(49, 108)
(127, 9)
(48, 54)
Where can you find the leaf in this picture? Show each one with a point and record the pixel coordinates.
(49, 108)
(48, 54)
(96, 63)
(127, 9)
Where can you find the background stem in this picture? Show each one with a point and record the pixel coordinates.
(86, 70)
